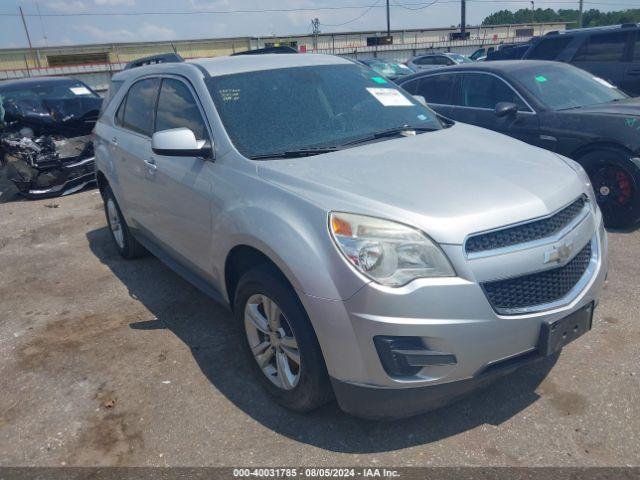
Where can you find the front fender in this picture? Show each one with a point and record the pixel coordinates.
(293, 233)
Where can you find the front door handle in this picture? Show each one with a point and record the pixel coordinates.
(114, 140)
(152, 165)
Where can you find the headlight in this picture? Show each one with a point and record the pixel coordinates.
(387, 252)
(584, 177)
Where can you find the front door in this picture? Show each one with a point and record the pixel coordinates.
(476, 97)
(182, 186)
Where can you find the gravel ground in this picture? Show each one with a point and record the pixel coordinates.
(109, 362)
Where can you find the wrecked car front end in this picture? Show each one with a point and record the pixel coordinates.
(46, 142)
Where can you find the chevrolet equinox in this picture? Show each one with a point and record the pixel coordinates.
(369, 249)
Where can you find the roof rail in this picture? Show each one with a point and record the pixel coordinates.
(154, 59)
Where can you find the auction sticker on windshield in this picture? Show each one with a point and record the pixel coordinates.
(390, 97)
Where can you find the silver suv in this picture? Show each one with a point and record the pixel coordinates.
(368, 248)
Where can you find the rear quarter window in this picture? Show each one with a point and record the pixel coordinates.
(603, 47)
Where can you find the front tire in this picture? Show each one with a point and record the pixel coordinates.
(615, 179)
(280, 342)
(126, 244)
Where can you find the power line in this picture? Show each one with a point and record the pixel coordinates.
(371, 7)
(210, 12)
(398, 4)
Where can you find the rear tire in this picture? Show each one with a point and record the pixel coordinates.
(126, 244)
(616, 180)
(303, 385)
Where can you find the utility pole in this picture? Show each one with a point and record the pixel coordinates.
(580, 15)
(388, 21)
(463, 18)
(26, 30)
(533, 12)
(315, 24)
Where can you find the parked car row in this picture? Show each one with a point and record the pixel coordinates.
(554, 106)
(370, 248)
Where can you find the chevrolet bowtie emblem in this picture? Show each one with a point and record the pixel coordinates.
(559, 253)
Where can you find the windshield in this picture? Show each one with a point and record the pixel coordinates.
(59, 89)
(562, 88)
(390, 69)
(460, 58)
(311, 107)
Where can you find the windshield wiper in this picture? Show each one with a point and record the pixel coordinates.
(390, 132)
(301, 152)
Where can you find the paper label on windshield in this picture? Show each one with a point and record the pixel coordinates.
(390, 97)
(80, 90)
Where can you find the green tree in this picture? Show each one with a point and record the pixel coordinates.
(590, 18)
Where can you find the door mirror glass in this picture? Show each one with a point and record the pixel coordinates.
(504, 109)
(420, 99)
(179, 142)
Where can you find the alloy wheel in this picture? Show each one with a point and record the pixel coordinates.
(272, 341)
(114, 223)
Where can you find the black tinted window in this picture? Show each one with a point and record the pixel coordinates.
(549, 48)
(485, 91)
(607, 47)
(442, 61)
(435, 88)
(424, 61)
(177, 108)
(636, 51)
(138, 111)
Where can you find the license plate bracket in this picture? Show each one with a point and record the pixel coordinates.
(554, 335)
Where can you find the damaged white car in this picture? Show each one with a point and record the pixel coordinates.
(45, 134)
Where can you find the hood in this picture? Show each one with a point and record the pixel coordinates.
(448, 183)
(627, 107)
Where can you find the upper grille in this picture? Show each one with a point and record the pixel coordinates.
(538, 288)
(526, 232)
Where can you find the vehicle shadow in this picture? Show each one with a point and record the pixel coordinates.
(208, 330)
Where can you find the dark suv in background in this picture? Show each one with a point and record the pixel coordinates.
(611, 53)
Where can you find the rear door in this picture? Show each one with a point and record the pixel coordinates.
(437, 89)
(476, 97)
(606, 55)
(631, 81)
(182, 185)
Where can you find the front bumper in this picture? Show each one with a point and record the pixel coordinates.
(449, 315)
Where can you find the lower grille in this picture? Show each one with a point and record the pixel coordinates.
(537, 288)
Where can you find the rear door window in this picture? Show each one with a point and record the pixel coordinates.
(139, 106)
(549, 48)
(436, 89)
(603, 47)
(178, 108)
(479, 90)
(424, 61)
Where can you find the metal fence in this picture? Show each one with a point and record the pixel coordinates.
(97, 75)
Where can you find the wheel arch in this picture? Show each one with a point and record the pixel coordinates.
(591, 147)
(242, 258)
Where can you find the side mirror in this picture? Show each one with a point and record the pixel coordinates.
(179, 142)
(420, 99)
(504, 109)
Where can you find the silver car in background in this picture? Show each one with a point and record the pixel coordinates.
(367, 248)
(432, 61)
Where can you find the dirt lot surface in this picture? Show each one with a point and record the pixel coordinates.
(111, 362)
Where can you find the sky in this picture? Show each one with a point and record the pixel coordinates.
(59, 22)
